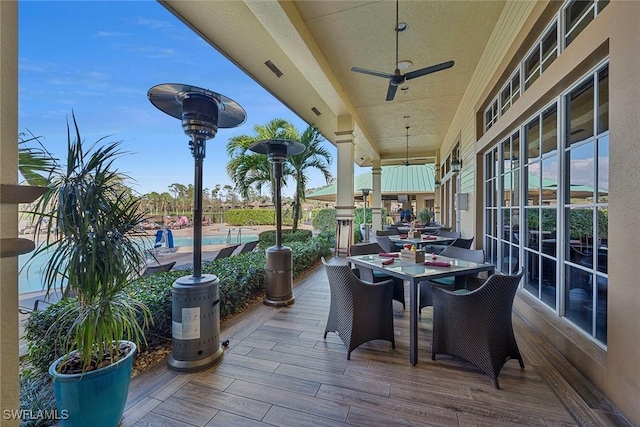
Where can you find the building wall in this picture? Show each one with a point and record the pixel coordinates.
(615, 33)
(8, 213)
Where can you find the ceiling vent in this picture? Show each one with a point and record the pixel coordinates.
(315, 111)
(273, 68)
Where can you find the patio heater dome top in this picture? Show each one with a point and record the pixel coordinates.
(277, 149)
(202, 111)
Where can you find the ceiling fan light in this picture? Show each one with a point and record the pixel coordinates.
(402, 27)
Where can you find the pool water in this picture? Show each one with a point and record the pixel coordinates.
(30, 278)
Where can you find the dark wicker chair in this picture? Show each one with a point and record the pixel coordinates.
(463, 243)
(360, 312)
(438, 248)
(471, 255)
(369, 275)
(477, 326)
(386, 244)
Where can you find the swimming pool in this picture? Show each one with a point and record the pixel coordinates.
(30, 278)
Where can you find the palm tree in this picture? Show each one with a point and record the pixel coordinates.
(247, 169)
(35, 164)
(313, 157)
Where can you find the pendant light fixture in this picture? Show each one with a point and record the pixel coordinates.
(406, 162)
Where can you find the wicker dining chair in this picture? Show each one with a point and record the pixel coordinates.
(477, 326)
(385, 243)
(370, 275)
(473, 281)
(359, 312)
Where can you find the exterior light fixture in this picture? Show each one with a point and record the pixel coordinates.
(436, 184)
(279, 258)
(365, 193)
(456, 164)
(195, 331)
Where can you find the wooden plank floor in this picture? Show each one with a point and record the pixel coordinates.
(278, 370)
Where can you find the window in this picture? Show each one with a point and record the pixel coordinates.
(573, 18)
(578, 14)
(586, 193)
(510, 93)
(491, 115)
(546, 204)
(542, 55)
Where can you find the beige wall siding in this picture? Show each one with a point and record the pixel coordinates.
(614, 33)
(492, 64)
(9, 213)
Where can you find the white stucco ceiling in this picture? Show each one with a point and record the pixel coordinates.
(315, 44)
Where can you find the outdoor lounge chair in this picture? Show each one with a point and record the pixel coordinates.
(369, 275)
(161, 268)
(164, 238)
(477, 326)
(360, 312)
(248, 247)
(225, 252)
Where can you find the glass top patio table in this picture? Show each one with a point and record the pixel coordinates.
(414, 273)
(422, 241)
(426, 229)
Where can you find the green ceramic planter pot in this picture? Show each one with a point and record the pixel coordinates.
(94, 398)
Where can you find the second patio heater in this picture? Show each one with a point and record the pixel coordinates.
(279, 258)
(195, 326)
(366, 229)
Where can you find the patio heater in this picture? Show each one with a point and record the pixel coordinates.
(279, 258)
(365, 193)
(195, 328)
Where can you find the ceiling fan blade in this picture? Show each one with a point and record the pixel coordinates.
(391, 92)
(372, 72)
(428, 70)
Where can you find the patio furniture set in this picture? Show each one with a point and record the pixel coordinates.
(471, 314)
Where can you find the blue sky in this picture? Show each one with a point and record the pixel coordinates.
(100, 58)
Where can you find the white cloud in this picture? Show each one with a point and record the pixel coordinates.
(111, 34)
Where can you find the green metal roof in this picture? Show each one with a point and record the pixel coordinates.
(397, 179)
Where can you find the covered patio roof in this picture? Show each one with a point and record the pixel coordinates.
(411, 179)
(303, 51)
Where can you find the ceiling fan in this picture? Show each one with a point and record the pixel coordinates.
(396, 79)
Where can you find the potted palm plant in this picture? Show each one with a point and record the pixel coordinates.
(90, 220)
(424, 216)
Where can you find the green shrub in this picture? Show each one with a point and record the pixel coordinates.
(36, 396)
(268, 238)
(325, 220)
(238, 217)
(242, 278)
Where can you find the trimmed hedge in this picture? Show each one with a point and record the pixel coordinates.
(242, 278)
(238, 217)
(268, 238)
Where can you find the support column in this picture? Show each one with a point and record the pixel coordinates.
(9, 385)
(376, 197)
(345, 190)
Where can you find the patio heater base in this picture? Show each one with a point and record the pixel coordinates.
(279, 276)
(195, 326)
